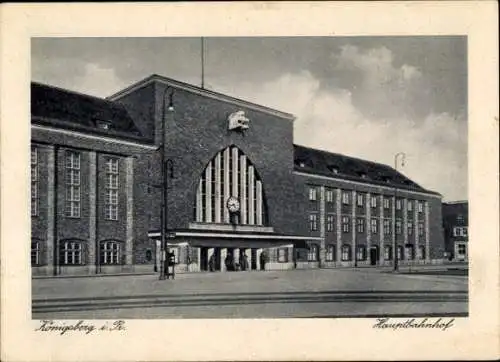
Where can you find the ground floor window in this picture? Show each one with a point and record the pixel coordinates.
(330, 252)
(72, 253)
(460, 251)
(35, 253)
(283, 255)
(400, 253)
(312, 254)
(346, 252)
(387, 252)
(110, 252)
(421, 252)
(361, 252)
(409, 252)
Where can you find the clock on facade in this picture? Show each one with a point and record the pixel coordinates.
(233, 204)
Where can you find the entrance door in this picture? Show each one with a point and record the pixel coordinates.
(253, 265)
(373, 255)
(204, 259)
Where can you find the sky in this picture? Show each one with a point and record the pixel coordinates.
(366, 97)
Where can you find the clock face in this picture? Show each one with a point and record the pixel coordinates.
(233, 205)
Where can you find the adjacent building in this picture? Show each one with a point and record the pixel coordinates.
(456, 230)
(240, 193)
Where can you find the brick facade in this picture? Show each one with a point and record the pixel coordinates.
(196, 131)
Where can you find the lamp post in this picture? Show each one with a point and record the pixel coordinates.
(167, 171)
(398, 155)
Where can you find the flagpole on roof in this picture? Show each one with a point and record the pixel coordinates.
(202, 62)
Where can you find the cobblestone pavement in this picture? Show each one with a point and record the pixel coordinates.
(258, 294)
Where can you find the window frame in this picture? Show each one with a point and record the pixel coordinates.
(115, 254)
(330, 254)
(329, 196)
(345, 197)
(73, 184)
(72, 253)
(346, 221)
(313, 221)
(34, 180)
(112, 187)
(36, 252)
(282, 258)
(360, 225)
(312, 253)
(330, 222)
(345, 252)
(399, 204)
(374, 225)
(373, 201)
(360, 200)
(387, 203)
(313, 193)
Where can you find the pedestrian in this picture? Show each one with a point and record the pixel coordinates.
(244, 262)
(211, 263)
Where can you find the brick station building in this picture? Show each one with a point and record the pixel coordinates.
(240, 195)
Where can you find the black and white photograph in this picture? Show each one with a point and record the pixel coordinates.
(264, 177)
(245, 179)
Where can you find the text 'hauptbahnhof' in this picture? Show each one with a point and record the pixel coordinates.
(239, 194)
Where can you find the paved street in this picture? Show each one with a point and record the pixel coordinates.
(295, 293)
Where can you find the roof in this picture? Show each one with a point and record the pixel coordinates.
(198, 90)
(335, 165)
(63, 108)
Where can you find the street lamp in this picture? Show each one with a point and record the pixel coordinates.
(167, 171)
(398, 155)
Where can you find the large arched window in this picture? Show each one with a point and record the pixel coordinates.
(230, 174)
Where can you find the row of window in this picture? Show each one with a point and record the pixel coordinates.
(360, 225)
(360, 199)
(406, 253)
(72, 185)
(460, 231)
(73, 253)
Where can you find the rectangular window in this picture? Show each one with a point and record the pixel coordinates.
(329, 196)
(410, 228)
(387, 252)
(110, 252)
(398, 204)
(330, 252)
(420, 229)
(360, 225)
(346, 253)
(398, 227)
(35, 253)
(34, 181)
(330, 222)
(465, 231)
(283, 255)
(409, 253)
(313, 194)
(313, 222)
(345, 224)
(345, 197)
(361, 253)
(461, 249)
(71, 253)
(360, 200)
(420, 206)
(387, 203)
(421, 252)
(72, 184)
(373, 201)
(410, 205)
(387, 227)
(312, 254)
(374, 226)
(111, 198)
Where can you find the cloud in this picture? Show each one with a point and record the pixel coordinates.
(435, 146)
(97, 80)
